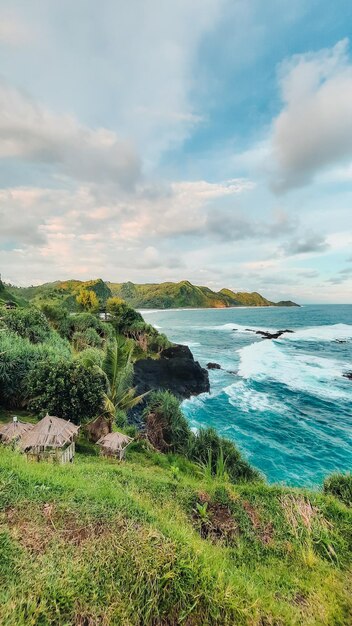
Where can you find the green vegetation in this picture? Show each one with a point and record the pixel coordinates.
(184, 531)
(340, 485)
(168, 431)
(145, 543)
(74, 295)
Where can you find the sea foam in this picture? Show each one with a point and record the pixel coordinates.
(276, 361)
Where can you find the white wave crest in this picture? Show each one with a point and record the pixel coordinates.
(240, 395)
(335, 332)
(276, 361)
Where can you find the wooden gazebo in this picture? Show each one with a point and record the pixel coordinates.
(52, 439)
(12, 431)
(114, 445)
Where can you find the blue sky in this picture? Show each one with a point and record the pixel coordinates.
(201, 139)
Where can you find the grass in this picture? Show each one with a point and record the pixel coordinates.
(103, 543)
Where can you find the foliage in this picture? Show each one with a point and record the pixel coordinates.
(340, 486)
(124, 316)
(87, 299)
(29, 323)
(18, 357)
(167, 427)
(117, 367)
(224, 456)
(68, 390)
(86, 338)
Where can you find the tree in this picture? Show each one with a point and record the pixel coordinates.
(88, 299)
(66, 389)
(118, 369)
(28, 323)
(124, 316)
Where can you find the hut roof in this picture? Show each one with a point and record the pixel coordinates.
(50, 432)
(14, 430)
(114, 441)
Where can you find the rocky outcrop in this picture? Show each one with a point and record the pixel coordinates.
(267, 335)
(213, 366)
(348, 375)
(175, 371)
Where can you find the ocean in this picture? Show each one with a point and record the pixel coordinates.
(284, 402)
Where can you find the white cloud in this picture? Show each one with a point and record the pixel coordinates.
(14, 31)
(314, 129)
(32, 133)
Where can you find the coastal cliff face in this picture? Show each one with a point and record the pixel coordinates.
(175, 371)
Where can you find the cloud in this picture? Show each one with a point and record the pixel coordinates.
(14, 31)
(310, 243)
(232, 225)
(314, 129)
(32, 133)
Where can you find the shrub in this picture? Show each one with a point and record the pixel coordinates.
(167, 427)
(220, 455)
(67, 390)
(83, 321)
(18, 357)
(29, 323)
(86, 338)
(340, 486)
(58, 318)
(124, 316)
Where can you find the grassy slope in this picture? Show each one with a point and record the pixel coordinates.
(104, 543)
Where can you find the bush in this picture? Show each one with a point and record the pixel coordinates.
(124, 316)
(167, 427)
(18, 357)
(67, 390)
(29, 323)
(86, 339)
(211, 450)
(83, 321)
(340, 486)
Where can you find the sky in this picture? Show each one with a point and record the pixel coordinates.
(153, 140)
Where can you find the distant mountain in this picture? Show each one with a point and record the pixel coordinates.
(186, 295)
(149, 296)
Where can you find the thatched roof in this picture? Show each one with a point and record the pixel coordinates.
(14, 430)
(50, 432)
(114, 441)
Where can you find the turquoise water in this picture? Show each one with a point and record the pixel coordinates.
(284, 402)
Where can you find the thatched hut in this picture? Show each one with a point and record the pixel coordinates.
(114, 445)
(11, 432)
(52, 439)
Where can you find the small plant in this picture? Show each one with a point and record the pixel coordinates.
(175, 472)
(202, 512)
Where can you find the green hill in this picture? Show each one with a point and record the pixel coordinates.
(6, 295)
(159, 296)
(63, 292)
(183, 295)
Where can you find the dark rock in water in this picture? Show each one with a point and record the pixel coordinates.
(267, 335)
(213, 366)
(348, 375)
(341, 341)
(175, 371)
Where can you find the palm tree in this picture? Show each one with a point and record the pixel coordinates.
(118, 369)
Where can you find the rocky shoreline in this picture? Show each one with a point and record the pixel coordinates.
(175, 371)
